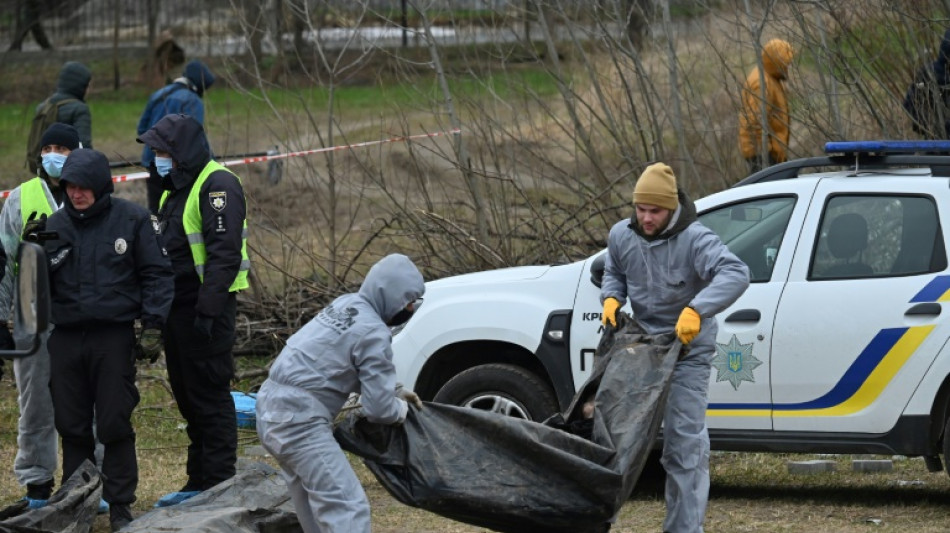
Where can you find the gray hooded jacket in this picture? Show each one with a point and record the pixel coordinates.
(346, 348)
(686, 266)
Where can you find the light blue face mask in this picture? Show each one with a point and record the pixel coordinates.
(163, 165)
(53, 164)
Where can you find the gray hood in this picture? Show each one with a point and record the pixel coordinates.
(391, 284)
(346, 348)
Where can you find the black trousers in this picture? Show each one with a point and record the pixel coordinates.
(92, 372)
(200, 374)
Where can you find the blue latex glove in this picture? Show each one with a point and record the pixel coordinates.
(174, 498)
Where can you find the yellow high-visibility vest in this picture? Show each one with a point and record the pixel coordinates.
(33, 200)
(191, 219)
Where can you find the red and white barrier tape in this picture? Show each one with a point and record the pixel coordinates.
(264, 158)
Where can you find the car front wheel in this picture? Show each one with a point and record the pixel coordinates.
(500, 388)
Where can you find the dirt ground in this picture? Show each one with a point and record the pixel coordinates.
(749, 493)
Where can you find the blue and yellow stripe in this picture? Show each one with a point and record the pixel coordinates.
(863, 381)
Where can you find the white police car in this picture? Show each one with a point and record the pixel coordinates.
(839, 345)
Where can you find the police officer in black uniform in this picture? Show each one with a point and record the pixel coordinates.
(202, 216)
(107, 269)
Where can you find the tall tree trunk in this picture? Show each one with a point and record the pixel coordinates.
(678, 127)
(475, 186)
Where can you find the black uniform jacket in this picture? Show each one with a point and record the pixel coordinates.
(106, 264)
(223, 210)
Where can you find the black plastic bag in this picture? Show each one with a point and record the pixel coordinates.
(515, 475)
(72, 509)
(255, 500)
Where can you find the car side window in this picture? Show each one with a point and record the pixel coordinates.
(863, 236)
(753, 230)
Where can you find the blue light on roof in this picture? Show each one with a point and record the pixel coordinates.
(887, 147)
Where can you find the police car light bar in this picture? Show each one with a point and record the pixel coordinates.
(888, 147)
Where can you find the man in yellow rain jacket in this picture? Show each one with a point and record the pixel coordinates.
(777, 55)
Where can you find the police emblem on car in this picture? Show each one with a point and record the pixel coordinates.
(734, 362)
(219, 200)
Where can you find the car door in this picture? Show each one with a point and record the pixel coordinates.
(760, 225)
(860, 321)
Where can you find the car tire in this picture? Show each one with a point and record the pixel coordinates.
(500, 388)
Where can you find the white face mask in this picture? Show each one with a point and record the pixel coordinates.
(53, 164)
(163, 165)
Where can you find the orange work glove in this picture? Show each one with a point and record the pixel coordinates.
(610, 312)
(687, 327)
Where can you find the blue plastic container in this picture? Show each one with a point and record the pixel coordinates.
(245, 408)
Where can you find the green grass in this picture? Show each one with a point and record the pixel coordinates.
(241, 121)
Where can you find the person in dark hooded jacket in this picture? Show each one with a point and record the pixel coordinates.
(184, 95)
(107, 269)
(928, 98)
(72, 84)
(202, 216)
(677, 275)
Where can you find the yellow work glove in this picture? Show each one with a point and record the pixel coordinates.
(610, 312)
(687, 327)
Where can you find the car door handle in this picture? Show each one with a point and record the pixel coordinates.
(745, 315)
(927, 308)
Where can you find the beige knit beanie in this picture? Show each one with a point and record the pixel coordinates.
(657, 186)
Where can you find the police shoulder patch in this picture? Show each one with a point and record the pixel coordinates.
(218, 199)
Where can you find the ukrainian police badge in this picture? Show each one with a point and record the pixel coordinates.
(734, 362)
(219, 200)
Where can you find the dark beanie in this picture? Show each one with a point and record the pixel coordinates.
(199, 75)
(62, 135)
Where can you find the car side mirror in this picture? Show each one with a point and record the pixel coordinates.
(597, 267)
(31, 315)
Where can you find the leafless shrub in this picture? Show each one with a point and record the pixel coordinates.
(539, 175)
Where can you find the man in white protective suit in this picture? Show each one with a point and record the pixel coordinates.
(677, 275)
(346, 348)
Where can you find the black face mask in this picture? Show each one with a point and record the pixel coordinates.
(400, 318)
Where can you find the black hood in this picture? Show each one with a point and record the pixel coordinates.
(940, 66)
(199, 76)
(683, 217)
(74, 79)
(88, 168)
(184, 138)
